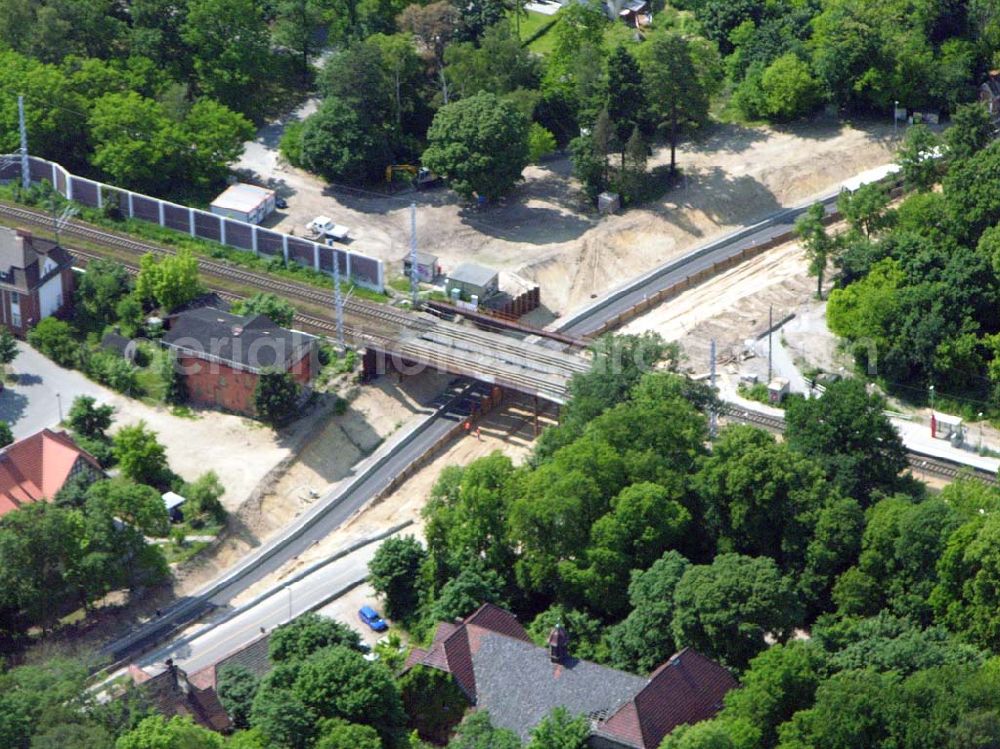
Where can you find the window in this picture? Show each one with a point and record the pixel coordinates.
(16, 319)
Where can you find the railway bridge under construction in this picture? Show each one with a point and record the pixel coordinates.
(395, 339)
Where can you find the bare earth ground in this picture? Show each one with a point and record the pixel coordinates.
(508, 430)
(734, 175)
(331, 446)
(734, 306)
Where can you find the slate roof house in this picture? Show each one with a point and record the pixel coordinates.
(221, 355)
(35, 468)
(36, 279)
(501, 670)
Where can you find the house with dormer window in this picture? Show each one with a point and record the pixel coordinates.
(36, 279)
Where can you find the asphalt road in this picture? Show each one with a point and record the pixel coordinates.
(329, 512)
(288, 602)
(43, 390)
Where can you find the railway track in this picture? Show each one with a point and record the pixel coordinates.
(445, 345)
(921, 462)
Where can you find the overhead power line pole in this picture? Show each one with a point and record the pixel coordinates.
(338, 303)
(414, 275)
(23, 127)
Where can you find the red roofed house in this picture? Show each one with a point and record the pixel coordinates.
(35, 468)
(502, 671)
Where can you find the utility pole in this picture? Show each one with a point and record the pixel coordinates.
(414, 276)
(713, 423)
(338, 303)
(23, 127)
(770, 348)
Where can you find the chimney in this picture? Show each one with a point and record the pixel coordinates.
(558, 644)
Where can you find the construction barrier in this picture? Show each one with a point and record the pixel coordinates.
(362, 270)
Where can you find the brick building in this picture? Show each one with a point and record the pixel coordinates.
(221, 355)
(36, 279)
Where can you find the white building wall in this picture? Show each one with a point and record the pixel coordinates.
(50, 296)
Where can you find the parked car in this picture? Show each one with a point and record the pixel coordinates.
(280, 203)
(369, 616)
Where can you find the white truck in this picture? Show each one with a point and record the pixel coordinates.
(325, 228)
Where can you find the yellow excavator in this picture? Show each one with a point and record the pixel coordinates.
(419, 176)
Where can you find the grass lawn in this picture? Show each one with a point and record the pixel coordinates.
(530, 25)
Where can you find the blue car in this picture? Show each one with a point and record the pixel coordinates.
(370, 617)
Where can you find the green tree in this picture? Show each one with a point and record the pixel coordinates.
(760, 497)
(865, 208)
(276, 396)
(340, 145)
(477, 732)
(156, 732)
(587, 639)
(140, 455)
(678, 99)
(339, 734)
(54, 338)
(338, 682)
(281, 718)
(466, 519)
(8, 348)
(170, 282)
(721, 733)
(540, 142)
(788, 88)
(297, 27)
(626, 96)
(214, 135)
(307, 634)
(820, 247)
(278, 310)
(778, 682)
(971, 130)
(88, 419)
(901, 545)
(229, 47)
(6, 435)
(847, 433)
(394, 573)
(134, 141)
(645, 639)
(465, 593)
(560, 730)
(725, 609)
(480, 144)
(130, 315)
(137, 504)
(203, 495)
(916, 158)
(237, 686)
(433, 702)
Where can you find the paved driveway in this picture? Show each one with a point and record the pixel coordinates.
(43, 393)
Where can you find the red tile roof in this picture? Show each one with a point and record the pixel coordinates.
(686, 689)
(35, 468)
